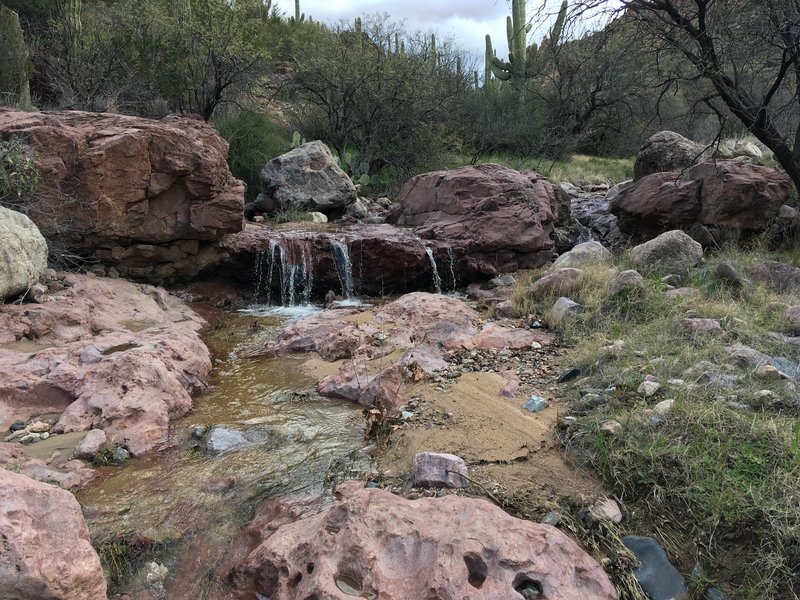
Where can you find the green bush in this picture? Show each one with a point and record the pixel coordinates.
(19, 175)
(254, 140)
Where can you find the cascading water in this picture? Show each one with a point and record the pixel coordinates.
(437, 281)
(451, 263)
(344, 267)
(293, 264)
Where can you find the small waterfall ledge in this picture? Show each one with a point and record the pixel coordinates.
(291, 267)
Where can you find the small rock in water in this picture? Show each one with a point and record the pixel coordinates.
(657, 576)
(90, 445)
(38, 427)
(120, 455)
(649, 388)
(222, 439)
(535, 404)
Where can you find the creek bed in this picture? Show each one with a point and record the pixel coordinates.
(185, 507)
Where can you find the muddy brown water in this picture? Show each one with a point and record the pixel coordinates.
(187, 506)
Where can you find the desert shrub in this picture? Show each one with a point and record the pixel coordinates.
(19, 175)
(254, 140)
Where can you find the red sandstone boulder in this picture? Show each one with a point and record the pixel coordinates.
(724, 194)
(376, 545)
(146, 196)
(46, 550)
(500, 216)
(106, 354)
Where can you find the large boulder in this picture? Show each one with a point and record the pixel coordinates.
(370, 543)
(108, 354)
(501, 217)
(739, 195)
(46, 549)
(671, 252)
(23, 253)
(665, 151)
(721, 195)
(306, 178)
(149, 197)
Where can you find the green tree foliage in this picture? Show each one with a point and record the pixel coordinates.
(395, 109)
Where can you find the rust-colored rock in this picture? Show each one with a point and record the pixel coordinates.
(501, 216)
(712, 196)
(149, 197)
(107, 354)
(46, 550)
(379, 545)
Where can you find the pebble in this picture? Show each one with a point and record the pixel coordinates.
(738, 405)
(664, 407)
(569, 375)
(605, 510)
(198, 431)
(655, 422)
(768, 373)
(38, 427)
(611, 427)
(552, 518)
(675, 382)
(649, 388)
(17, 426)
(535, 404)
(120, 455)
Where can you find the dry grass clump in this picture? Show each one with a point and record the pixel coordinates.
(723, 465)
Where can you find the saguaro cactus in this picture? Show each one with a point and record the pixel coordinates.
(72, 19)
(15, 69)
(434, 58)
(298, 16)
(524, 61)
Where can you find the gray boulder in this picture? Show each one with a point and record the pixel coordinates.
(671, 252)
(23, 253)
(562, 310)
(665, 151)
(584, 254)
(306, 178)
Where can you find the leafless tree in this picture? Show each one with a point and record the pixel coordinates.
(747, 50)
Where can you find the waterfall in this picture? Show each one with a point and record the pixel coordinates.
(344, 267)
(451, 263)
(294, 268)
(437, 281)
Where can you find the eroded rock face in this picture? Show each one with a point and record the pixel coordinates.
(46, 550)
(146, 196)
(23, 253)
(376, 544)
(502, 217)
(306, 178)
(107, 354)
(665, 151)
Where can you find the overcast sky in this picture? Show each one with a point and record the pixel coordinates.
(466, 21)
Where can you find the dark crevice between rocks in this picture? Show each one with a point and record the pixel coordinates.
(477, 569)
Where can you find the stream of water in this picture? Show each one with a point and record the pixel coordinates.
(187, 501)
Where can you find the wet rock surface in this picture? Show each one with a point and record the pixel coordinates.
(377, 544)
